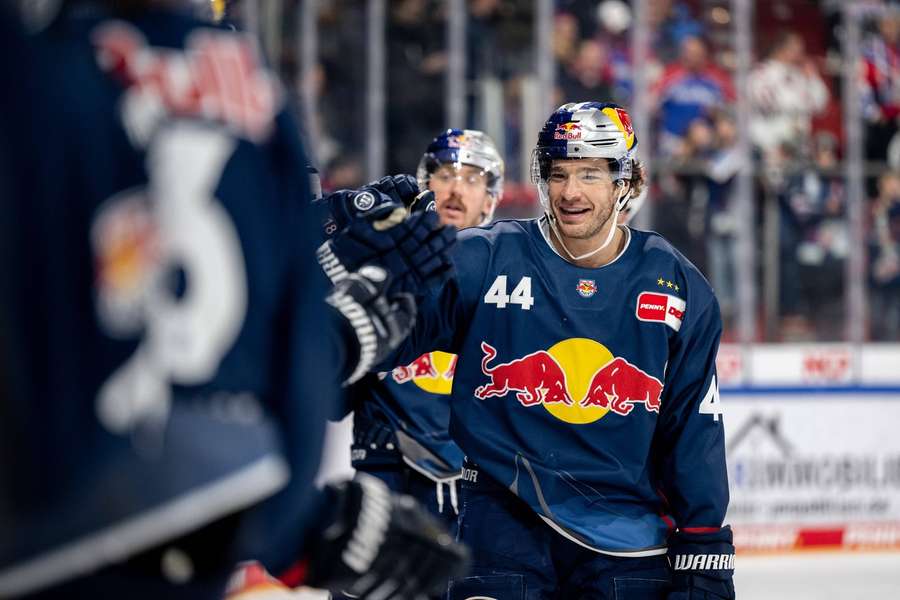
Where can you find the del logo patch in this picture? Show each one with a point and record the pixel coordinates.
(660, 308)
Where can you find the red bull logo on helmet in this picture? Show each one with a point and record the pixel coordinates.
(622, 121)
(456, 141)
(567, 131)
(433, 372)
(576, 380)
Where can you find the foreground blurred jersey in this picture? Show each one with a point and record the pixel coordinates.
(161, 324)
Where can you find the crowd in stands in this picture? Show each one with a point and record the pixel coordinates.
(794, 125)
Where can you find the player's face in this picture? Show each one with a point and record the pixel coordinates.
(581, 197)
(460, 194)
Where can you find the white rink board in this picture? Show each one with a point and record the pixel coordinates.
(811, 469)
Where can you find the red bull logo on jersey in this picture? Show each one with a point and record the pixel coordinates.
(218, 77)
(128, 260)
(660, 308)
(619, 385)
(567, 131)
(586, 288)
(576, 380)
(433, 372)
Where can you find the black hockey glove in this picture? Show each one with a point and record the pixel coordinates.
(382, 545)
(412, 248)
(379, 323)
(702, 565)
(342, 207)
(338, 209)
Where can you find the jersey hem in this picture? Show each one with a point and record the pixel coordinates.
(187, 513)
(619, 553)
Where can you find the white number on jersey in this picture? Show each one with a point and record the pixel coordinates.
(521, 294)
(184, 338)
(711, 403)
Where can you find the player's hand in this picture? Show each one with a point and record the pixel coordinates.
(702, 565)
(413, 248)
(382, 545)
(379, 322)
(342, 207)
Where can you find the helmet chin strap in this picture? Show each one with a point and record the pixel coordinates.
(621, 200)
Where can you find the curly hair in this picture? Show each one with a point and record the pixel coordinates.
(638, 178)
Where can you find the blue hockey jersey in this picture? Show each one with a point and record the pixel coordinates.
(165, 326)
(590, 393)
(413, 401)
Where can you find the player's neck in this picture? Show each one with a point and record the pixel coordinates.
(578, 247)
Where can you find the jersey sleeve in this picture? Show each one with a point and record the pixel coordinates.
(690, 439)
(444, 313)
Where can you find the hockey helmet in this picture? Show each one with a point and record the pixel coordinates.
(463, 147)
(585, 130)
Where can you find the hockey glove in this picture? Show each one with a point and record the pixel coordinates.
(412, 248)
(382, 545)
(379, 323)
(702, 565)
(338, 209)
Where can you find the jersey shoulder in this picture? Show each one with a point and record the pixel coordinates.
(658, 254)
(483, 242)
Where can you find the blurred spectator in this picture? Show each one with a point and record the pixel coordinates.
(671, 22)
(614, 18)
(481, 40)
(885, 253)
(814, 246)
(689, 88)
(587, 76)
(566, 36)
(684, 192)
(785, 91)
(721, 225)
(881, 86)
(337, 81)
(416, 62)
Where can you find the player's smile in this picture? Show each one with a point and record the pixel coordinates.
(573, 213)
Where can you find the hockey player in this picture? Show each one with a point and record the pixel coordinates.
(585, 394)
(400, 421)
(173, 357)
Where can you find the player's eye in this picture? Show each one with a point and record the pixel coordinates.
(558, 177)
(592, 176)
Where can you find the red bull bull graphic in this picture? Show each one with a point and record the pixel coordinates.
(535, 378)
(620, 385)
(567, 131)
(576, 380)
(433, 372)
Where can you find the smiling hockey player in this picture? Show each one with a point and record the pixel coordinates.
(585, 394)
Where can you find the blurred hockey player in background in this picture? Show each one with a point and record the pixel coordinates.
(400, 422)
(169, 356)
(584, 394)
